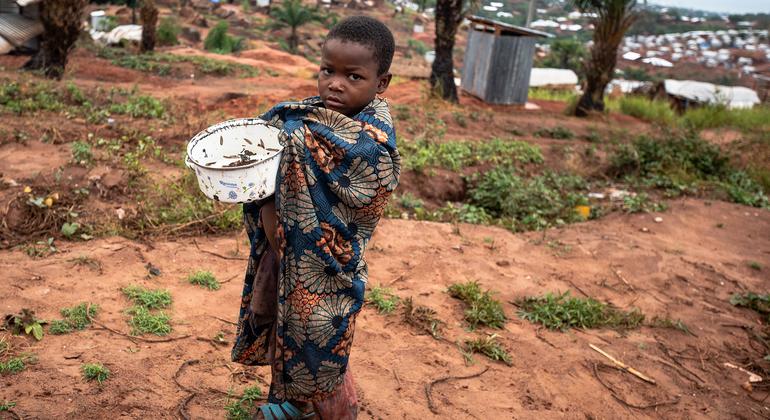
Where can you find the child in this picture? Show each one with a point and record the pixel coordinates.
(306, 276)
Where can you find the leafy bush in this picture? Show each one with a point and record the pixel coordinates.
(482, 309)
(564, 312)
(533, 203)
(220, 42)
(168, 32)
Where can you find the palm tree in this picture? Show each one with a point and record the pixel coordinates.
(61, 28)
(449, 15)
(293, 14)
(149, 15)
(614, 18)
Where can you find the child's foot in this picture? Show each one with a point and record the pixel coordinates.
(285, 410)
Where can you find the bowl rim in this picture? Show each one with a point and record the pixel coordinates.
(223, 126)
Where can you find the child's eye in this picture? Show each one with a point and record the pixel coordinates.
(326, 72)
(355, 77)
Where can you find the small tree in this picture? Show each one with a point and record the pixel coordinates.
(149, 15)
(614, 18)
(449, 15)
(567, 53)
(61, 21)
(293, 14)
(220, 42)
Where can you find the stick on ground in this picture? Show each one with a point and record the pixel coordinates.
(626, 403)
(623, 366)
(429, 386)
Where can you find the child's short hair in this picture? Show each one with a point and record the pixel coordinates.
(369, 32)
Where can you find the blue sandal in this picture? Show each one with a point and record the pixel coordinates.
(283, 411)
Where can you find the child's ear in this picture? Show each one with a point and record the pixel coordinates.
(383, 83)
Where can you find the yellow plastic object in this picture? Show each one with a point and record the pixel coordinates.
(583, 211)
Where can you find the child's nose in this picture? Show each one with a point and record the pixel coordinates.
(336, 84)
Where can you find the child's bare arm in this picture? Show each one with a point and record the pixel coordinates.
(269, 218)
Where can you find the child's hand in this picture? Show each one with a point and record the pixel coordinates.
(269, 222)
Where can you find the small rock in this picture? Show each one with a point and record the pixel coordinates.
(121, 213)
(503, 263)
(658, 219)
(154, 271)
(645, 230)
(598, 196)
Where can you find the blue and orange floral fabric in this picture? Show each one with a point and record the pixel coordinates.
(335, 177)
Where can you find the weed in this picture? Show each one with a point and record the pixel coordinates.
(144, 322)
(25, 323)
(558, 132)
(7, 405)
(482, 308)
(148, 298)
(81, 153)
(86, 261)
(560, 95)
(422, 318)
(40, 248)
(756, 302)
(243, 407)
(754, 265)
(534, 203)
(677, 324)
(418, 47)
(13, 365)
(641, 203)
(383, 299)
(561, 311)
(95, 372)
(460, 119)
(75, 318)
(140, 106)
(205, 279)
(487, 346)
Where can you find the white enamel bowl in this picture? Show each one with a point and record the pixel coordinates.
(236, 161)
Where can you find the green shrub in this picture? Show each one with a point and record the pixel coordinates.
(383, 299)
(81, 153)
(13, 365)
(168, 32)
(148, 298)
(489, 347)
(243, 408)
(482, 308)
(139, 106)
(418, 46)
(564, 312)
(144, 322)
(456, 155)
(220, 42)
(75, 318)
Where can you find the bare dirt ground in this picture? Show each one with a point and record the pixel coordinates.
(684, 268)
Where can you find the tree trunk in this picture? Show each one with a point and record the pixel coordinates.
(293, 40)
(149, 15)
(448, 17)
(61, 21)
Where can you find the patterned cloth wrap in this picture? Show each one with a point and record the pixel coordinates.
(335, 177)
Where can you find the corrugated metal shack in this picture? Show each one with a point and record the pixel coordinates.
(498, 61)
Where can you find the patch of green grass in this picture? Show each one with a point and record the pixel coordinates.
(75, 318)
(755, 265)
(682, 164)
(561, 95)
(756, 302)
(95, 372)
(143, 321)
(562, 312)
(658, 112)
(7, 405)
(675, 324)
(706, 117)
(529, 203)
(162, 64)
(488, 346)
(148, 298)
(140, 106)
(558, 132)
(21, 98)
(13, 365)
(423, 318)
(243, 408)
(383, 299)
(81, 153)
(205, 279)
(455, 155)
(482, 309)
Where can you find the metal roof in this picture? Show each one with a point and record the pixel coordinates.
(506, 28)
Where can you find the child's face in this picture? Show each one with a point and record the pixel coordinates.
(348, 79)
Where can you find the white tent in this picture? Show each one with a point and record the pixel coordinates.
(552, 77)
(657, 62)
(708, 93)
